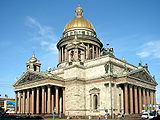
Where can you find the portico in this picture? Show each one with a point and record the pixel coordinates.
(41, 100)
(137, 98)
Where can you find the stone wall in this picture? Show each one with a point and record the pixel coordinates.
(75, 99)
(92, 69)
(79, 101)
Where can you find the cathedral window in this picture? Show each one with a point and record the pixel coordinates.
(90, 53)
(28, 67)
(94, 98)
(71, 55)
(87, 33)
(72, 33)
(95, 102)
(79, 55)
(34, 67)
(83, 32)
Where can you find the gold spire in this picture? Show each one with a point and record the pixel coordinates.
(79, 11)
(33, 55)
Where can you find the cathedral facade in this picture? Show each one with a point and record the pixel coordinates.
(89, 80)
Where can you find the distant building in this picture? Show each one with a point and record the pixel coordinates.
(7, 104)
(89, 79)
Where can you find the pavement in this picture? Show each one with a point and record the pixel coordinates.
(98, 119)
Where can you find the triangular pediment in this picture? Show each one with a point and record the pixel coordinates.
(143, 75)
(32, 76)
(28, 77)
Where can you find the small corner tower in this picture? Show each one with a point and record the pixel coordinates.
(33, 64)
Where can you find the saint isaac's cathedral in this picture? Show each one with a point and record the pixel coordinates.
(89, 80)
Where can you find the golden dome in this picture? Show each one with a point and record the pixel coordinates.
(33, 59)
(79, 21)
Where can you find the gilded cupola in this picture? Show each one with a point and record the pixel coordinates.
(79, 21)
(79, 41)
(33, 64)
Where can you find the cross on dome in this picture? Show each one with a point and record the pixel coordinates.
(79, 11)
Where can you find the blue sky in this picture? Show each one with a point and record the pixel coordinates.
(131, 27)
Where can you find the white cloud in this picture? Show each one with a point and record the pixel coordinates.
(150, 49)
(43, 34)
(143, 54)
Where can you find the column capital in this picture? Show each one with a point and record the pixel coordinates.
(154, 91)
(49, 86)
(151, 91)
(43, 87)
(118, 85)
(56, 87)
(139, 88)
(143, 88)
(32, 89)
(147, 90)
(23, 91)
(20, 91)
(135, 86)
(38, 88)
(28, 90)
(130, 86)
(126, 84)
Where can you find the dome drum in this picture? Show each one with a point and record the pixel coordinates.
(76, 32)
(80, 38)
(79, 31)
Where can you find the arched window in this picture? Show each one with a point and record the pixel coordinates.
(95, 102)
(34, 67)
(72, 55)
(87, 33)
(83, 32)
(94, 99)
(79, 55)
(72, 33)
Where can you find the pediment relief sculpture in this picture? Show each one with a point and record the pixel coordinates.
(142, 75)
(30, 78)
